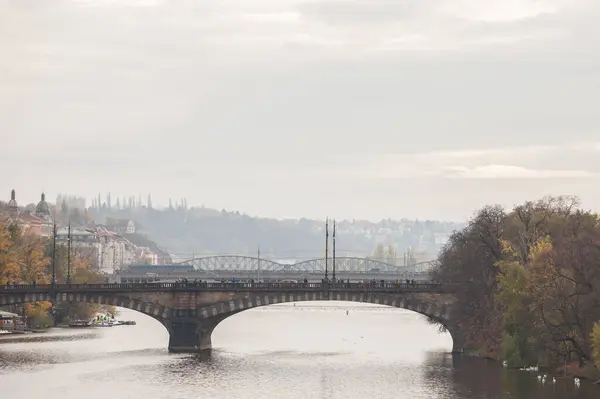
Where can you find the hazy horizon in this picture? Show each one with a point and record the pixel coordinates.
(177, 201)
(363, 109)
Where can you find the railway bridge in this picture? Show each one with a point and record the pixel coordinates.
(191, 311)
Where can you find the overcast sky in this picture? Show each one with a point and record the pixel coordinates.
(354, 109)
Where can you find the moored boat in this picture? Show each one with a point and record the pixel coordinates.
(79, 324)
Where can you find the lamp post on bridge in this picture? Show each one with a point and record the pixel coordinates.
(53, 255)
(326, 247)
(334, 250)
(69, 255)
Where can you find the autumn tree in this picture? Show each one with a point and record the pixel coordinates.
(9, 262)
(529, 231)
(33, 261)
(80, 273)
(565, 283)
(22, 256)
(37, 314)
(23, 260)
(469, 260)
(534, 220)
(529, 281)
(26, 258)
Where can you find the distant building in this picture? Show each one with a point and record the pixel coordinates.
(70, 201)
(32, 224)
(122, 226)
(106, 250)
(116, 252)
(147, 256)
(38, 223)
(13, 207)
(42, 211)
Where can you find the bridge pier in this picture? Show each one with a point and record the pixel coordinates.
(459, 342)
(189, 336)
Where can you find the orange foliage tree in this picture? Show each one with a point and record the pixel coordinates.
(9, 260)
(25, 258)
(536, 270)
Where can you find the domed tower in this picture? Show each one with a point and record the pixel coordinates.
(13, 208)
(42, 210)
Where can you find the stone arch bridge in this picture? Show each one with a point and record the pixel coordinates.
(191, 311)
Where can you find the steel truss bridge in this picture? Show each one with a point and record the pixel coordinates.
(239, 263)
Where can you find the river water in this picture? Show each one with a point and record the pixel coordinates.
(312, 350)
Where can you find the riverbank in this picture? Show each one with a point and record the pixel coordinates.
(573, 370)
(22, 332)
(91, 324)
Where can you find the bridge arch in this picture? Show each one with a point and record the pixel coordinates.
(155, 310)
(210, 316)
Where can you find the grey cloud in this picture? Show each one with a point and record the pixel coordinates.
(359, 13)
(167, 95)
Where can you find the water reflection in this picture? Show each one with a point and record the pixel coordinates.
(326, 385)
(272, 353)
(467, 377)
(66, 336)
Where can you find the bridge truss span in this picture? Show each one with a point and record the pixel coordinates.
(345, 264)
(342, 264)
(235, 263)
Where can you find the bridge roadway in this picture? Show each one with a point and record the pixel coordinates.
(127, 276)
(190, 311)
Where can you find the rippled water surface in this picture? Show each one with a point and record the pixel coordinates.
(313, 350)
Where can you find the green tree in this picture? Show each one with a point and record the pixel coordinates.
(513, 294)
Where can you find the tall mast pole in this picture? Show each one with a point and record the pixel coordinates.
(333, 249)
(326, 247)
(54, 254)
(69, 255)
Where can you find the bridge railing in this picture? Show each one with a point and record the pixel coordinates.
(427, 286)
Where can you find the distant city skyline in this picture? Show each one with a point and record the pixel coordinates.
(366, 109)
(89, 202)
